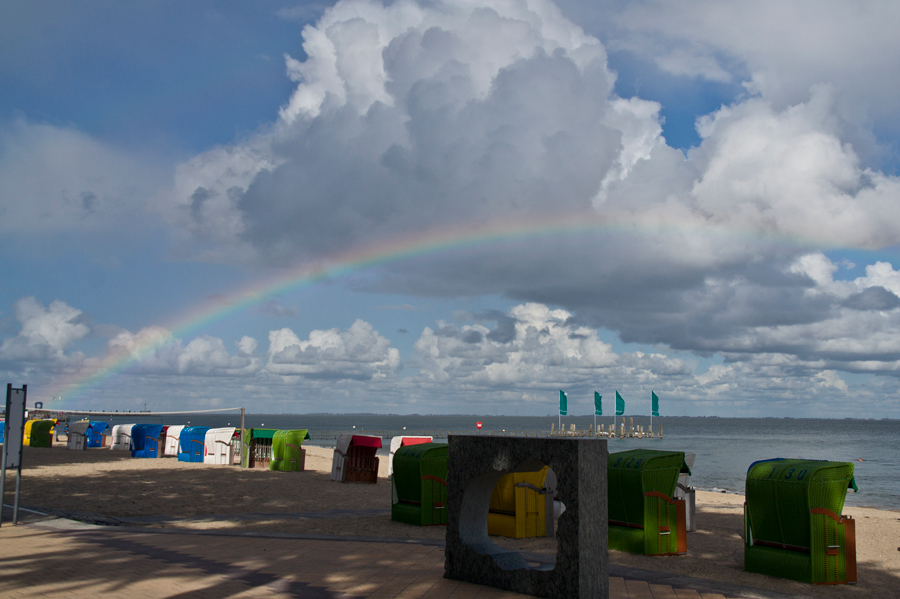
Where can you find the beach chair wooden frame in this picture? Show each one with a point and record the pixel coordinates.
(298, 457)
(361, 465)
(355, 460)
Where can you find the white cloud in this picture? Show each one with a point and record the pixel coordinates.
(410, 116)
(247, 345)
(543, 351)
(156, 351)
(359, 353)
(789, 173)
(45, 333)
(779, 49)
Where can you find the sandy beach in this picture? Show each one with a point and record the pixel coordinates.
(104, 486)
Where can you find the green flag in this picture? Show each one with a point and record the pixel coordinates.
(620, 404)
(654, 404)
(598, 405)
(563, 403)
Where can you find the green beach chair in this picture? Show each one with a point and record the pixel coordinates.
(420, 484)
(41, 433)
(287, 453)
(793, 527)
(257, 450)
(644, 517)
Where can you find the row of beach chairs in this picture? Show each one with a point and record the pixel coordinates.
(187, 443)
(793, 522)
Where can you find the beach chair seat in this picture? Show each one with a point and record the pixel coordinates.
(354, 459)
(288, 454)
(793, 527)
(522, 505)
(644, 516)
(419, 484)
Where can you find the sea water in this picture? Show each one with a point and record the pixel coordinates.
(725, 447)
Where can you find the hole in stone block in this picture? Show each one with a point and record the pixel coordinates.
(520, 516)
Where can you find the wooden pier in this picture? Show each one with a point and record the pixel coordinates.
(602, 432)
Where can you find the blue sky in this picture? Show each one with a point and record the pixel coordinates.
(738, 160)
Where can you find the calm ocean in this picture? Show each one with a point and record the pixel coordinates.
(725, 447)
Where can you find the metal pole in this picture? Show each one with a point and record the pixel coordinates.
(242, 441)
(5, 446)
(16, 503)
(19, 472)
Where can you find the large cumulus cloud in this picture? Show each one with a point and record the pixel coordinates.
(489, 115)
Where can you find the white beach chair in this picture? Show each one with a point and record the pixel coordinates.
(219, 449)
(173, 438)
(77, 435)
(684, 490)
(121, 437)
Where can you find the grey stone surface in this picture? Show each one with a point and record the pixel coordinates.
(477, 463)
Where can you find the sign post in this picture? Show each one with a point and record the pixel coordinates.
(12, 443)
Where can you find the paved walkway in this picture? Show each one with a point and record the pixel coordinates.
(43, 557)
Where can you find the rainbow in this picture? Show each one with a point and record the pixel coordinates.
(75, 387)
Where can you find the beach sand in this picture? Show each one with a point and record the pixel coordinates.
(100, 485)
